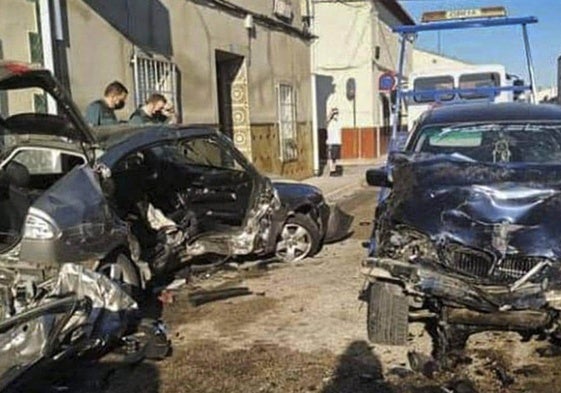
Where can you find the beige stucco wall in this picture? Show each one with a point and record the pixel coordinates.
(274, 57)
(344, 51)
(196, 32)
(425, 60)
(97, 55)
(17, 19)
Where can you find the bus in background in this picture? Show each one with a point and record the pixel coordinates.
(458, 85)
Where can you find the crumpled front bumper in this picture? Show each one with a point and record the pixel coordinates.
(424, 280)
(338, 224)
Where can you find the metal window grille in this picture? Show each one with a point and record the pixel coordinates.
(287, 122)
(153, 75)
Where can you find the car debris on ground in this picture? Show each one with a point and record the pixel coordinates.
(77, 313)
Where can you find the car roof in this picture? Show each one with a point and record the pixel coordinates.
(491, 112)
(120, 140)
(111, 136)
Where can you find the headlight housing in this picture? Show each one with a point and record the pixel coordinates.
(407, 244)
(39, 226)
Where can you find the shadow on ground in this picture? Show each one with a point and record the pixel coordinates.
(91, 377)
(358, 370)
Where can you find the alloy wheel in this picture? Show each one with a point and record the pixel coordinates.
(295, 243)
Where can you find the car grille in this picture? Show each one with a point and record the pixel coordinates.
(481, 265)
(516, 266)
(468, 262)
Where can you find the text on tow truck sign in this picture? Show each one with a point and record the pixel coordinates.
(472, 13)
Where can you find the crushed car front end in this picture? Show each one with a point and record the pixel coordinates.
(465, 247)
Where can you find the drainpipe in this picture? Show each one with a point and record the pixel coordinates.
(47, 44)
(315, 127)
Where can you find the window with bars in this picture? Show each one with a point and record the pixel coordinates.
(154, 75)
(287, 122)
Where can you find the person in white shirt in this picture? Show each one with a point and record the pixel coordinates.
(333, 141)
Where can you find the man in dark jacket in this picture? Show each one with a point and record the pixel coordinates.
(152, 112)
(102, 112)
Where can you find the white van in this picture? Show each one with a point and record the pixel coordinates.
(435, 87)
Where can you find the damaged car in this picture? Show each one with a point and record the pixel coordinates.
(93, 219)
(136, 203)
(467, 239)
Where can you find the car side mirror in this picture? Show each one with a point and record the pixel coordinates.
(378, 177)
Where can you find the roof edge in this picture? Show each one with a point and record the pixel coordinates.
(398, 11)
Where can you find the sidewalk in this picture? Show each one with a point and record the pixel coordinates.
(353, 178)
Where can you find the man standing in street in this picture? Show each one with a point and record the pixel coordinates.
(102, 112)
(333, 141)
(152, 112)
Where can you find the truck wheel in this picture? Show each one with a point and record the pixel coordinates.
(388, 314)
(121, 269)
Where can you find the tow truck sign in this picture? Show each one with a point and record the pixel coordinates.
(471, 13)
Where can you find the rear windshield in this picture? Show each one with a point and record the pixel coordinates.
(433, 83)
(479, 80)
(524, 142)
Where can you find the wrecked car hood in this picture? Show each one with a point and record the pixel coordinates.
(497, 208)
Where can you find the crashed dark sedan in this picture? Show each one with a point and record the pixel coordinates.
(468, 237)
(137, 202)
(89, 219)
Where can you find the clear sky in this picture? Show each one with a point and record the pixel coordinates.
(503, 45)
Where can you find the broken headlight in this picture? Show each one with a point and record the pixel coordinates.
(38, 226)
(407, 245)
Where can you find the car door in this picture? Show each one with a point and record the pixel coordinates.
(219, 185)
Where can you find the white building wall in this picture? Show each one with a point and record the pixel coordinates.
(389, 44)
(425, 60)
(344, 51)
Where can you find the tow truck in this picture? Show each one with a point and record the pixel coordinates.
(486, 17)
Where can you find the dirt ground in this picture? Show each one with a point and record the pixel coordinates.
(303, 330)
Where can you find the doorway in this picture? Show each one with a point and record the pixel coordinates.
(227, 68)
(233, 103)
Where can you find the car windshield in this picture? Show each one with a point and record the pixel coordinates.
(484, 142)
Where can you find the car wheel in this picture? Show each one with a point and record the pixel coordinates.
(120, 269)
(388, 314)
(299, 239)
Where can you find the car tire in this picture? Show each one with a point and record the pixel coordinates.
(299, 238)
(121, 269)
(388, 314)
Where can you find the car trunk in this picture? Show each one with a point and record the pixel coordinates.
(23, 126)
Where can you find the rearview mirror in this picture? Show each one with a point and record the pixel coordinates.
(378, 177)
